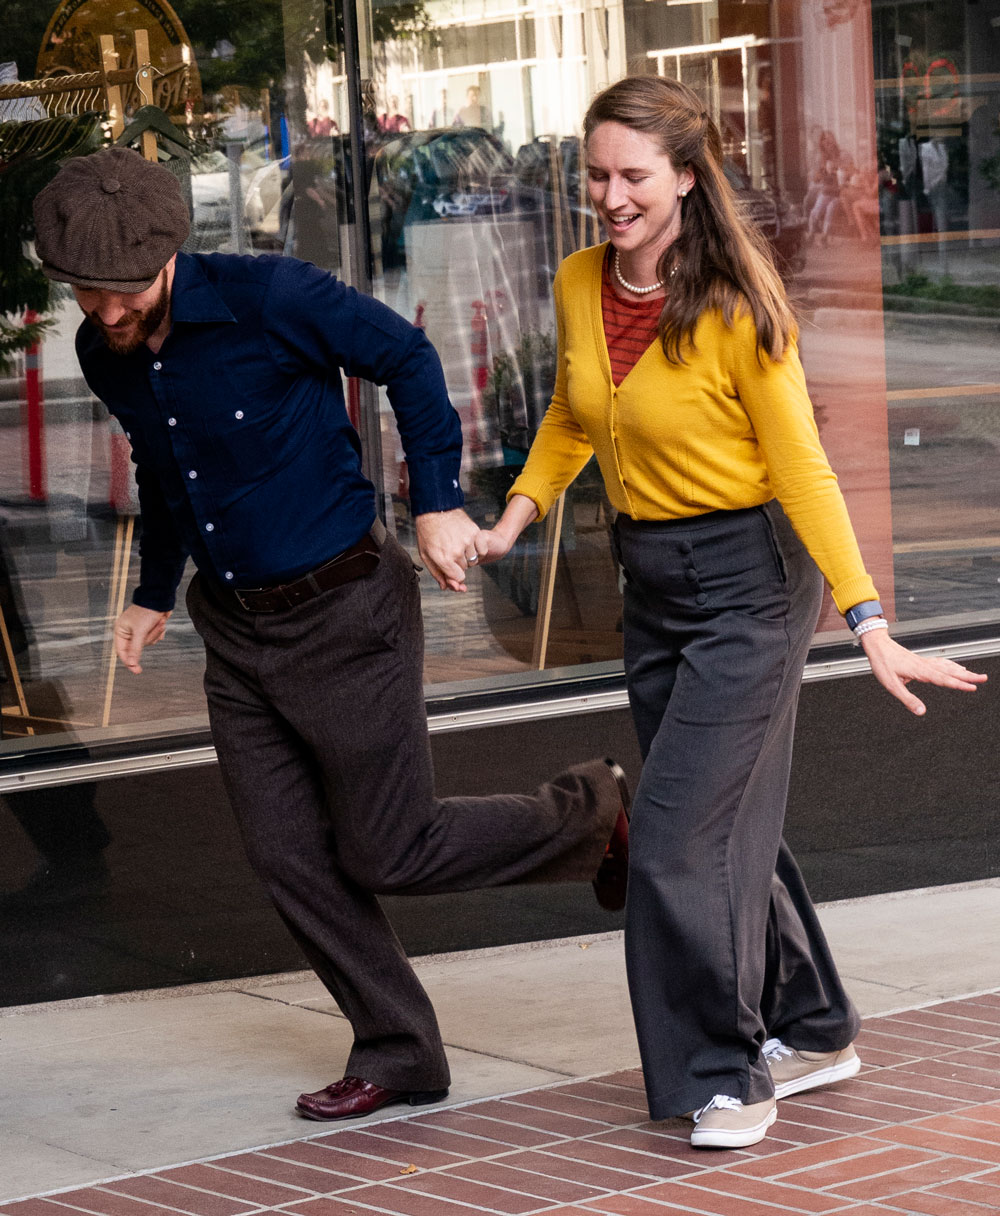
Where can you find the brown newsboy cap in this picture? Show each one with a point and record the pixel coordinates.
(110, 220)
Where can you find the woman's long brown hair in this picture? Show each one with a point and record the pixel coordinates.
(722, 260)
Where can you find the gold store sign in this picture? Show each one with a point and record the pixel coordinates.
(70, 45)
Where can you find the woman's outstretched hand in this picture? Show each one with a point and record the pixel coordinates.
(894, 667)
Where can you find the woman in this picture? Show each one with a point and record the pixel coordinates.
(678, 368)
(827, 204)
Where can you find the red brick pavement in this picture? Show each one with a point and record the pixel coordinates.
(917, 1133)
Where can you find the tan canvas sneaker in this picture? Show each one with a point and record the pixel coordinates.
(726, 1123)
(793, 1071)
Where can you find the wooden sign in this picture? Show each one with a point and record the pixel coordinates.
(71, 45)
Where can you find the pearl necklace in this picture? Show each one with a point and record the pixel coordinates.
(639, 291)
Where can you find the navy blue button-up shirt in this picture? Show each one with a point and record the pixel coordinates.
(245, 457)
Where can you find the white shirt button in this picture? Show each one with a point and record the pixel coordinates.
(229, 574)
(239, 413)
(193, 474)
(171, 422)
(210, 527)
(157, 366)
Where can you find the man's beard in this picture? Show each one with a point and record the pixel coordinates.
(129, 333)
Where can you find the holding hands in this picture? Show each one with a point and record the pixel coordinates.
(450, 542)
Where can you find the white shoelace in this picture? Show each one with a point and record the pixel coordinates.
(719, 1102)
(775, 1050)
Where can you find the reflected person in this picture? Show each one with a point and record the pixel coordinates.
(225, 372)
(61, 822)
(70, 836)
(473, 113)
(678, 368)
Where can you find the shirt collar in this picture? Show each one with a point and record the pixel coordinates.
(193, 297)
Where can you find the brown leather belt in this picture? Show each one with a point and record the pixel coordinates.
(359, 559)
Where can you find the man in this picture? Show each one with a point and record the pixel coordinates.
(225, 374)
(473, 114)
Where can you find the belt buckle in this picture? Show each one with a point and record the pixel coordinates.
(242, 602)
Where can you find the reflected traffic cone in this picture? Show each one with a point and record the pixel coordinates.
(478, 349)
(121, 492)
(35, 472)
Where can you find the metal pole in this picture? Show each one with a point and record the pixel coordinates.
(237, 235)
(547, 581)
(359, 239)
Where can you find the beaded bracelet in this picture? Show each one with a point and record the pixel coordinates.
(870, 624)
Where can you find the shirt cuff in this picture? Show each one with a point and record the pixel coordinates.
(155, 601)
(158, 583)
(434, 485)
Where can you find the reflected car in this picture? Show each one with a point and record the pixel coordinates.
(262, 182)
(446, 171)
(463, 202)
(439, 174)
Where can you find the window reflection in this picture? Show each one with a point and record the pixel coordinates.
(862, 137)
(937, 100)
(864, 195)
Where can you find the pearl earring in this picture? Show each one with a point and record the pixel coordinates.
(681, 193)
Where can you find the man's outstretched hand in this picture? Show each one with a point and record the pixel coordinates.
(136, 628)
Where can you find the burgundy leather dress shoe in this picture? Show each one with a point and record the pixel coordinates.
(351, 1098)
(611, 879)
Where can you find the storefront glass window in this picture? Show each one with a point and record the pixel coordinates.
(937, 98)
(862, 137)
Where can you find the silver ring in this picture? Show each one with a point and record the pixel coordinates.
(474, 558)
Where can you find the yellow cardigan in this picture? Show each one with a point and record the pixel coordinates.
(718, 432)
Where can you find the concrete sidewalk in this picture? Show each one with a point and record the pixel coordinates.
(102, 1089)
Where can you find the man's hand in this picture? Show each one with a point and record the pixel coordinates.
(135, 628)
(895, 667)
(447, 541)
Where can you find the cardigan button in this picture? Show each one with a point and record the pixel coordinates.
(701, 598)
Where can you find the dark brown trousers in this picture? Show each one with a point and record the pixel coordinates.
(318, 718)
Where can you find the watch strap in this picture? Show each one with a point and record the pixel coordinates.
(861, 612)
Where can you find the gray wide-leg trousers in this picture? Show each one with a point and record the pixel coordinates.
(722, 943)
(318, 718)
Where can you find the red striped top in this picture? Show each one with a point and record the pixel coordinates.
(629, 325)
